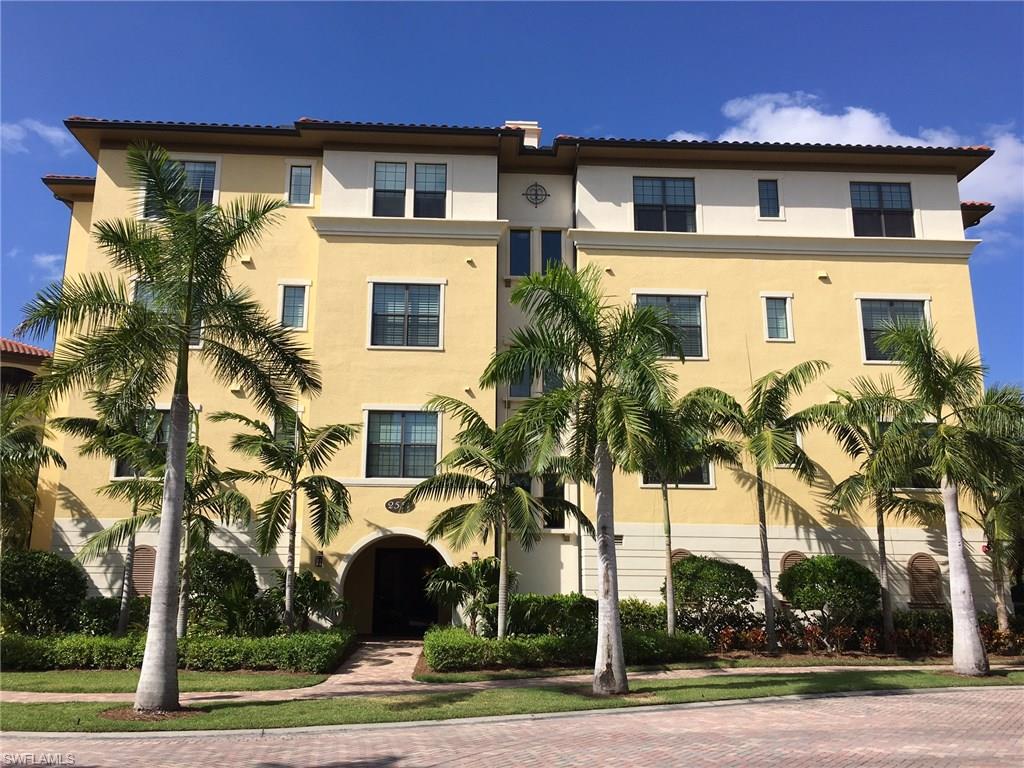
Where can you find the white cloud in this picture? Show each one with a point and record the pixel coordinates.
(48, 266)
(14, 135)
(687, 136)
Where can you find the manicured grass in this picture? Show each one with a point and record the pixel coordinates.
(470, 703)
(125, 681)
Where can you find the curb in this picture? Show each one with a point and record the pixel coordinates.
(369, 727)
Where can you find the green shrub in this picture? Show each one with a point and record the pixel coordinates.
(832, 591)
(641, 616)
(532, 614)
(222, 589)
(99, 615)
(23, 653)
(455, 649)
(40, 592)
(712, 595)
(314, 598)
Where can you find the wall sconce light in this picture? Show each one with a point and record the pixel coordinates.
(245, 259)
(318, 561)
(471, 262)
(610, 271)
(474, 557)
(823, 276)
(236, 387)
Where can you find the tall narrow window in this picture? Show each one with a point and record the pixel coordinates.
(200, 179)
(406, 315)
(881, 210)
(778, 318)
(389, 189)
(523, 387)
(879, 314)
(550, 249)
(429, 195)
(664, 205)
(519, 252)
(293, 306)
(768, 198)
(685, 317)
(300, 184)
(553, 490)
(145, 295)
(401, 444)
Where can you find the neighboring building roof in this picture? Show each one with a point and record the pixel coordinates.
(70, 189)
(974, 211)
(12, 347)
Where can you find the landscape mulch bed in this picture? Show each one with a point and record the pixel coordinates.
(129, 713)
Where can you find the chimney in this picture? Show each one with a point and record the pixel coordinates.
(532, 129)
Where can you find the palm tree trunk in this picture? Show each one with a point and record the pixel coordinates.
(502, 578)
(968, 650)
(766, 568)
(888, 625)
(289, 571)
(609, 663)
(670, 591)
(158, 681)
(124, 615)
(186, 585)
(999, 587)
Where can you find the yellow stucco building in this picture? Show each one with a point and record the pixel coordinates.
(394, 262)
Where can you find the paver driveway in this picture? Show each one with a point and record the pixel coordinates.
(930, 729)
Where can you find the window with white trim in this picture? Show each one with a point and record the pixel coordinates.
(389, 189)
(553, 489)
(664, 205)
(877, 315)
(125, 469)
(294, 302)
(768, 198)
(300, 184)
(406, 315)
(144, 294)
(519, 252)
(200, 178)
(522, 388)
(401, 444)
(686, 317)
(778, 317)
(430, 191)
(881, 210)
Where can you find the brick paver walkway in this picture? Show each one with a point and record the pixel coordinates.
(925, 729)
(386, 667)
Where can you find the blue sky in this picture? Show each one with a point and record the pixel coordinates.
(915, 73)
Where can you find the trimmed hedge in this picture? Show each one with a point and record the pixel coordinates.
(312, 652)
(641, 616)
(453, 649)
(532, 614)
(40, 592)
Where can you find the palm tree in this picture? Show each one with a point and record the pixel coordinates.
(285, 455)
(768, 433)
(614, 377)
(22, 452)
(472, 586)
(860, 420)
(130, 439)
(209, 498)
(958, 428)
(684, 441)
(488, 464)
(178, 254)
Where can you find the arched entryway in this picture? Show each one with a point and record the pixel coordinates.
(384, 585)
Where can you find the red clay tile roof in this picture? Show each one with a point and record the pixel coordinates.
(66, 177)
(12, 347)
(976, 204)
(770, 144)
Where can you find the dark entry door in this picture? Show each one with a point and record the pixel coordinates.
(400, 603)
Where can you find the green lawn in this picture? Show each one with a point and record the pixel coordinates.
(125, 681)
(502, 701)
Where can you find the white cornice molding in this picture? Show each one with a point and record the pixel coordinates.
(422, 229)
(813, 247)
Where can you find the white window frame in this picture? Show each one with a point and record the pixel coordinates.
(299, 410)
(396, 482)
(410, 160)
(133, 281)
(164, 407)
(799, 444)
(768, 176)
(711, 485)
(293, 162)
(441, 282)
(858, 297)
(702, 294)
(788, 296)
(667, 173)
(294, 283)
(217, 160)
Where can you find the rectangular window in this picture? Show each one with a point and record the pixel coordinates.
(523, 387)
(300, 184)
(293, 306)
(878, 314)
(881, 210)
(768, 198)
(550, 249)
(777, 318)
(552, 380)
(406, 315)
(664, 205)
(428, 200)
(519, 252)
(401, 444)
(200, 178)
(124, 468)
(144, 295)
(284, 427)
(554, 488)
(685, 318)
(697, 476)
(389, 189)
